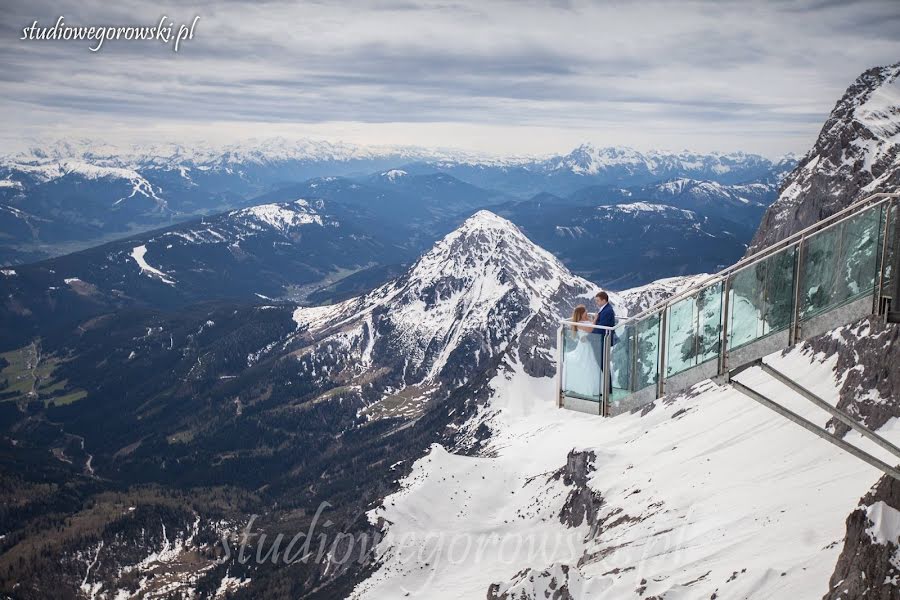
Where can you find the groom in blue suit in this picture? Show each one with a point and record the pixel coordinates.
(606, 317)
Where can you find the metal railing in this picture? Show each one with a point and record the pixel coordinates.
(786, 292)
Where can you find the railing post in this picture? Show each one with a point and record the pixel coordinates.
(632, 378)
(606, 374)
(724, 329)
(882, 262)
(796, 328)
(663, 340)
(696, 308)
(559, 366)
(893, 315)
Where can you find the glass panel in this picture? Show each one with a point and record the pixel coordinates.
(747, 305)
(859, 257)
(647, 355)
(780, 274)
(695, 329)
(681, 346)
(818, 271)
(582, 351)
(622, 362)
(709, 322)
(840, 264)
(889, 258)
(762, 298)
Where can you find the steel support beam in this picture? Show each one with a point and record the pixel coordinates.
(606, 374)
(812, 427)
(893, 315)
(559, 366)
(832, 410)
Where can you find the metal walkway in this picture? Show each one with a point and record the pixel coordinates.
(833, 273)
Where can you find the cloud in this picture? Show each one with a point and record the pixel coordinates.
(493, 76)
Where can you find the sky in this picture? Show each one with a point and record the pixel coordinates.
(489, 76)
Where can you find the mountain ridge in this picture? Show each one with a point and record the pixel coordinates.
(857, 153)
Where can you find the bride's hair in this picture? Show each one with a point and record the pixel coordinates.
(578, 315)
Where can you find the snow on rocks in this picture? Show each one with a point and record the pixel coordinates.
(636, 300)
(46, 171)
(885, 521)
(281, 217)
(637, 208)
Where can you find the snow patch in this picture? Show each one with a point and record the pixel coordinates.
(138, 254)
(281, 217)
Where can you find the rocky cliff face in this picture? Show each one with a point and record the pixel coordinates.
(869, 565)
(856, 154)
(867, 354)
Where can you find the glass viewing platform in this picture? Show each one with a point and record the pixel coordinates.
(831, 274)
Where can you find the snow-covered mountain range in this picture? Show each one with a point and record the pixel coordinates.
(586, 159)
(63, 195)
(589, 159)
(373, 380)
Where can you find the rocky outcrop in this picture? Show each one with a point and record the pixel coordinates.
(869, 565)
(868, 353)
(583, 504)
(856, 154)
(555, 583)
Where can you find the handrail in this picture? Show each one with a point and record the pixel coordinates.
(768, 251)
(619, 320)
(564, 322)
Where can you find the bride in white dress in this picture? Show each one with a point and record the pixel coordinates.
(581, 371)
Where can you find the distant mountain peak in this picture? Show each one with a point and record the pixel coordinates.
(394, 174)
(485, 241)
(856, 154)
(591, 160)
(282, 216)
(462, 302)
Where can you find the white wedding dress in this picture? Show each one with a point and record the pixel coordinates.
(581, 364)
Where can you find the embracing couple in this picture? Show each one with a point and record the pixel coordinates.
(584, 351)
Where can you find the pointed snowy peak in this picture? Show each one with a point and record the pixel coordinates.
(856, 154)
(489, 245)
(483, 290)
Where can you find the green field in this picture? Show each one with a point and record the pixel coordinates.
(28, 375)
